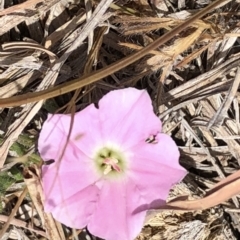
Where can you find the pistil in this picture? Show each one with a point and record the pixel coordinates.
(111, 164)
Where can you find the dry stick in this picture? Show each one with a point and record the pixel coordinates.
(106, 71)
(14, 211)
(22, 224)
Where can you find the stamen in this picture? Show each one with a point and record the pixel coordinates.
(107, 170)
(116, 167)
(111, 165)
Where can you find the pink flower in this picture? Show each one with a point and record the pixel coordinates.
(109, 175)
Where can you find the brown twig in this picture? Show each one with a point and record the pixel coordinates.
(14, 211)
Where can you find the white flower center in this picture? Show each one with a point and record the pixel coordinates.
(110, 162)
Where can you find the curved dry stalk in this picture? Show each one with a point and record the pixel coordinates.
(221, 192)
(29, 45)
(106, 71)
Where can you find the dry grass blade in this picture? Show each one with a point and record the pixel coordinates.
(13, 88)
(192, 56)
(22, 6)
(210, 158)
(88, 28)
(28, 45)
(222, 111)
(88, 6)
(187, 89)
(6, 225)
(22, 224)
(32, 180)
(92, 58)
(17, 127)
(93, 55)
(64, 30)
(10, 21)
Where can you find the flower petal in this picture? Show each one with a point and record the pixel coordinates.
(69, 186)
(76, 211)
(155, 168)
(70, 177)
(85, 135)
(65, 178)
(114, 216)
(127, 117)
(76, 196)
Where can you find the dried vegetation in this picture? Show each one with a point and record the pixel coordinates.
(193, 79)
